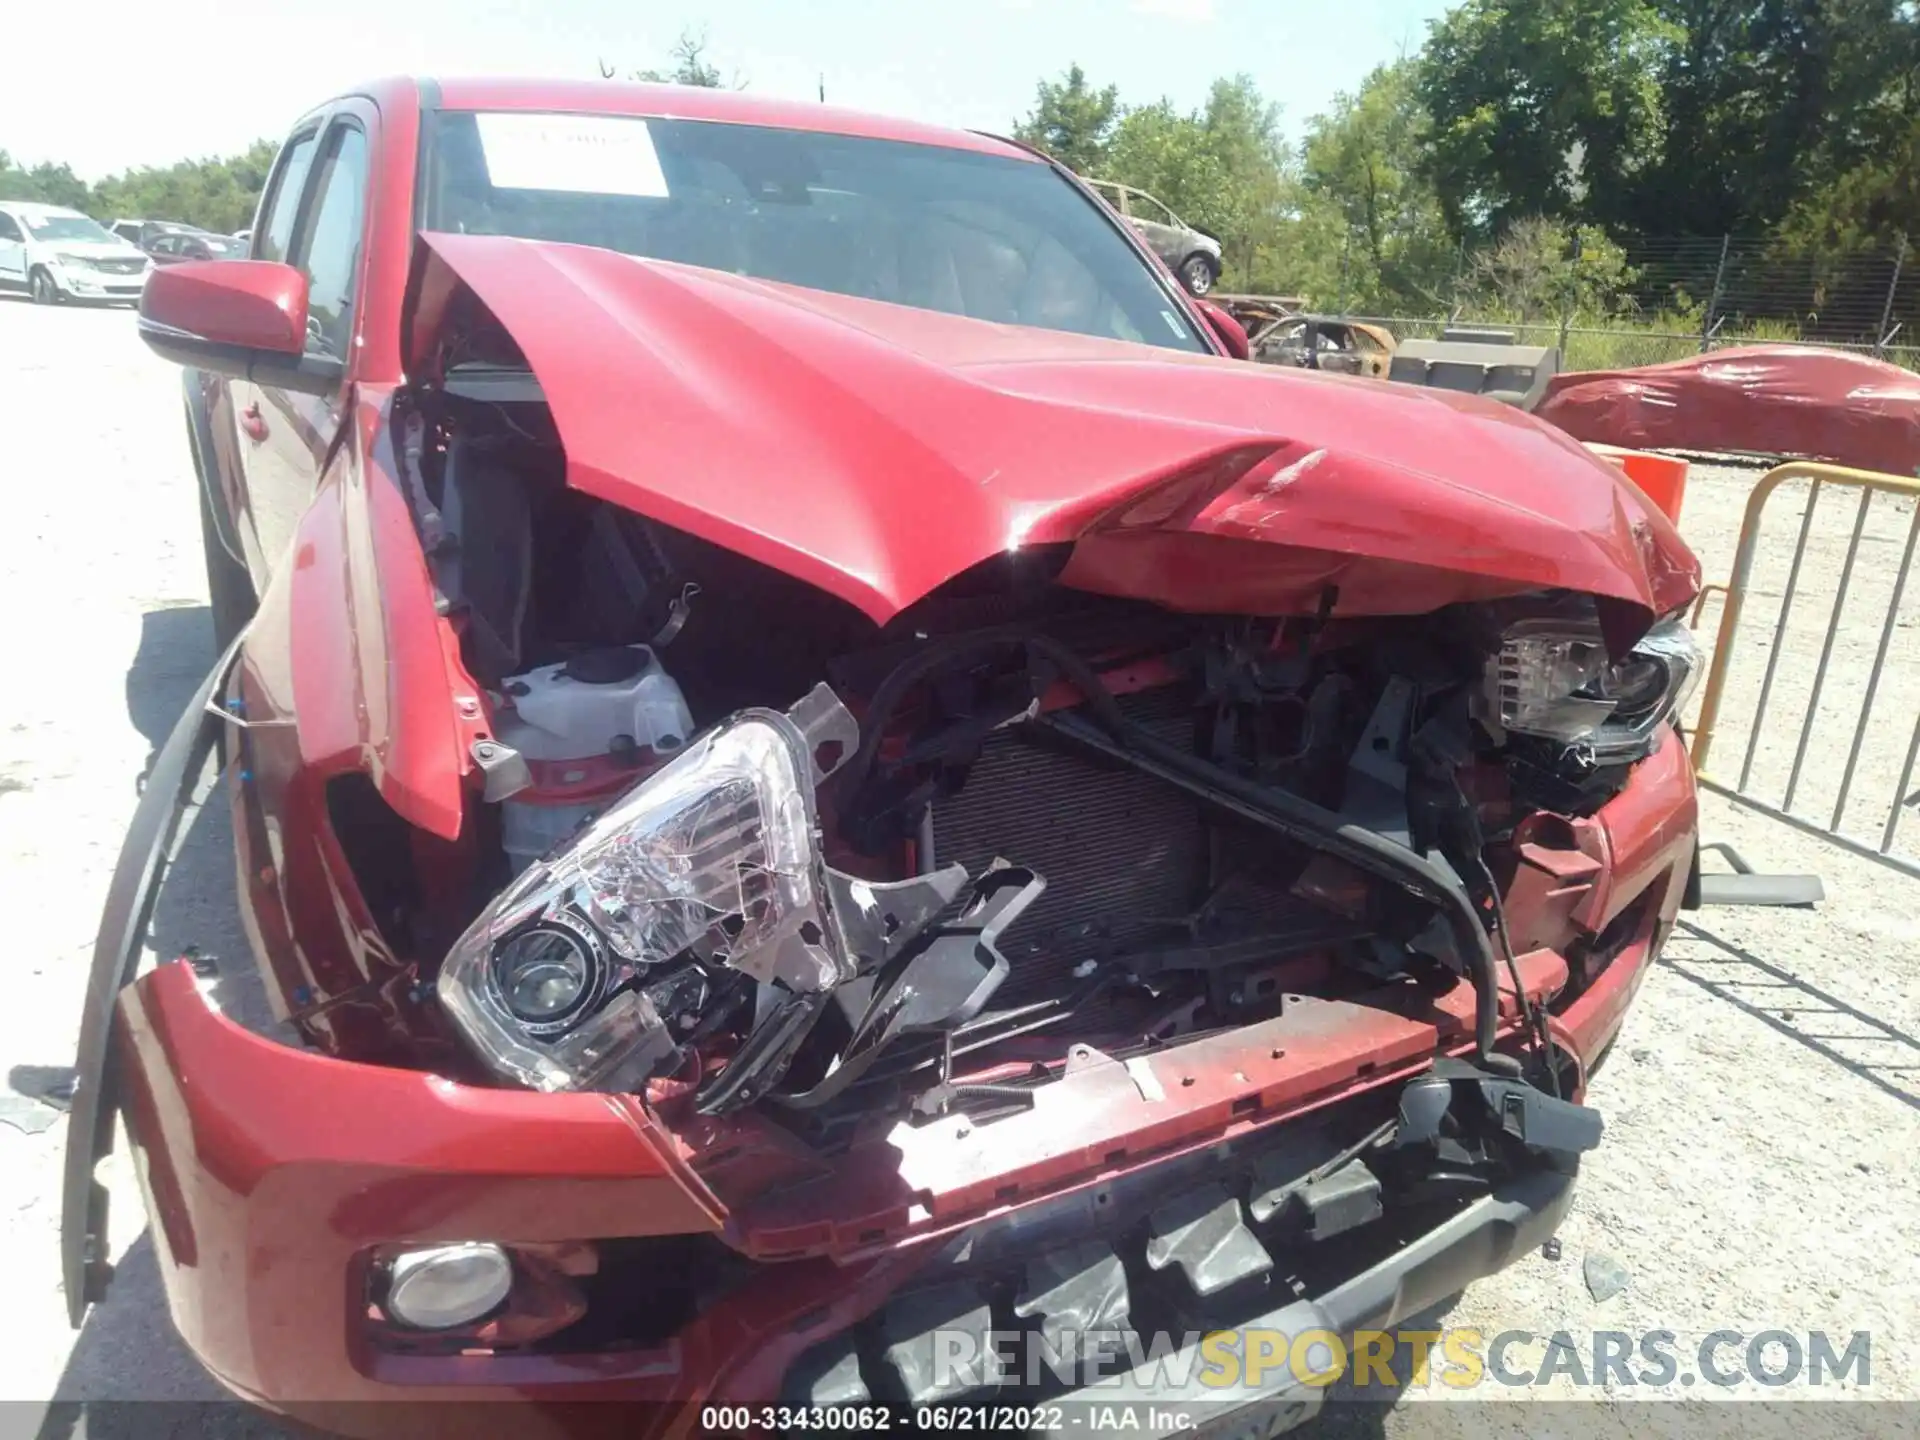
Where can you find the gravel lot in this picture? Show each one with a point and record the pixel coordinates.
(1763, 1103)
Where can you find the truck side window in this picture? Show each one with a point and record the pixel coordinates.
(329, 249)
(275, 235)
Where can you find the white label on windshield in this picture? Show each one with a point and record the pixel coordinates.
(583, 154)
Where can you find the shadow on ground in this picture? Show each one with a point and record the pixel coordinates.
(1859, 1043)
(129, 1375)
(175, 653)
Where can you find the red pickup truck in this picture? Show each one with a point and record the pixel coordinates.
(829, 784)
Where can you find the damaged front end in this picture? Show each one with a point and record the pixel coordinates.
(1116, 915)
(1073, 962)
(1270, 1062)
(1334, 817)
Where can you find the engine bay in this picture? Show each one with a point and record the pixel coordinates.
(742, 847)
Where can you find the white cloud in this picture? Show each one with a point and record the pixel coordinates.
(1192, 12)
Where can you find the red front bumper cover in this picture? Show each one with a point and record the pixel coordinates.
(272, 1173)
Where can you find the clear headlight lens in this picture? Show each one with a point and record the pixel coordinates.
(542, 975)
(1553, 678)
(712, 858)
(1538, 680)
(714, 854)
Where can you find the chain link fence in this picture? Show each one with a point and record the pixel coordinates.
(1687, 295)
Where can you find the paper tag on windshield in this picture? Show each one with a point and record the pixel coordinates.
(582, 154)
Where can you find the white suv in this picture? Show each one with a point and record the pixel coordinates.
(58, 254)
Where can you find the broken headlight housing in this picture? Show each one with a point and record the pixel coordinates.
(1553, 678)
(711, 862)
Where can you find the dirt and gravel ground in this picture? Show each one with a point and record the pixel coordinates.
(1763, 1104)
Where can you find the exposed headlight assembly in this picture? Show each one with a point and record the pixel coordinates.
(1552, 677)
(709, 866)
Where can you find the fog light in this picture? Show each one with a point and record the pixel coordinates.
(447, 1285)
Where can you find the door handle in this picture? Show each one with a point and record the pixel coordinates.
(251, 423)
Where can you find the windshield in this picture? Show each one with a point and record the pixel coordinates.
(219, 246)
(66, 227)
(986, 236)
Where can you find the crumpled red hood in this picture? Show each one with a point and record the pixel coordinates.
(876, 450)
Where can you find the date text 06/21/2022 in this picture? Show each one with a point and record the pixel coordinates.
(1192, 1369)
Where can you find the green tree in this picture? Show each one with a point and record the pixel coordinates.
(1365, 158)
(1072, 121)
(1158, 149)
(1308, 253)
(1769, 101)
(48, 183)
(216, 193)
(1222, 168)
(1542, 107)
(1862, 186)
(690, 65)
(1536, 271)
(15, 184)
(1875, 203)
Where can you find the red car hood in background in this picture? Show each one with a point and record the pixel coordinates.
(876, 450)
(1769, 399)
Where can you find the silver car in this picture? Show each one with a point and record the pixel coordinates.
(1192, 254)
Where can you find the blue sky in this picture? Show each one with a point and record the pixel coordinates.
(237, 69)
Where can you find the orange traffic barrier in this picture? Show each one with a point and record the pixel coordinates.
(1661, 478)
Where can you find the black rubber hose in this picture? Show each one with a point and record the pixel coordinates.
(1310, 824)
(1011, 1094)
(1534, 1014)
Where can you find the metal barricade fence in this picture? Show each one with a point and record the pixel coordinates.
(1744, 790)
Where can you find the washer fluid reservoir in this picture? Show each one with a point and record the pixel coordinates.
(587, 728)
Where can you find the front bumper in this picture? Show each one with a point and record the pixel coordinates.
(90, 284)
(1484, 1238)
(272, 1173)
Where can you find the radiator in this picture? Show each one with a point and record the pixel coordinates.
(1118, 850)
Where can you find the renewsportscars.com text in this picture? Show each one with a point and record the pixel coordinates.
(1460, 1358)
